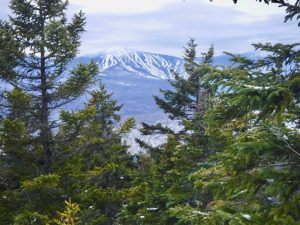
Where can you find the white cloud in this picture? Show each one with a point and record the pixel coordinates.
(253, 9)
(167, 29)
(120, 6)
(164, 26)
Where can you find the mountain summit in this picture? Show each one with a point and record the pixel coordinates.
(147, 65)
(136, 76)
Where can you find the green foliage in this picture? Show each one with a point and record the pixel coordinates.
(69, 215)
(127, 126)
(254, 178)
(162, 182)
(38, 44)
(235, 159)
(42, 182)
(31, 218)
(188, 101)
(9, 49)
(94, 162)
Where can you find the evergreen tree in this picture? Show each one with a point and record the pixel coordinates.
(69, 215)
(93, 167)
(187, 103)
(255, 177)
(18, 151)
(164, 171)
(36, 46)
(45, 44)
(96, 165)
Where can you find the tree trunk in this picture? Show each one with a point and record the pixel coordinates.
(45, 130)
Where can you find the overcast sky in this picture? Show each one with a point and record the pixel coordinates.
(164, 26)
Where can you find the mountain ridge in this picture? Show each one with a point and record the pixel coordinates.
(135, 77)
(145, 64)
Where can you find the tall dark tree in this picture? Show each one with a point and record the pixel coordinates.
(254, 177)
(96, 162)
(165, 169)
(187, 102)
(45, 43)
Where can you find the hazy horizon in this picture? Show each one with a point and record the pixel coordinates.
(164, 26)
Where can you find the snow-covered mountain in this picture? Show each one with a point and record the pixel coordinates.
(147, 65)
(135, 77)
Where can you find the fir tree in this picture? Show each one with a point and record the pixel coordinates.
(96, 165)
(69, 215)
(36, 46)
(45, 44)
(187, 103)
(165, 170)
(254, 178)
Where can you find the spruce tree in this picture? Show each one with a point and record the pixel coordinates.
(254, 177)
(165, 169)
(36, 46)
(45, 43)
(17, 153)
(188, 101)
(97, 167)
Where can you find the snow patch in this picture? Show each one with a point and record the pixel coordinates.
(246, 216)
(144, 64)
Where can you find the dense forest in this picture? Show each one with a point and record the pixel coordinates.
(234, 161)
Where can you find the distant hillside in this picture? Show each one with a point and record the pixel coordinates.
(144, 64)
(135, 76)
